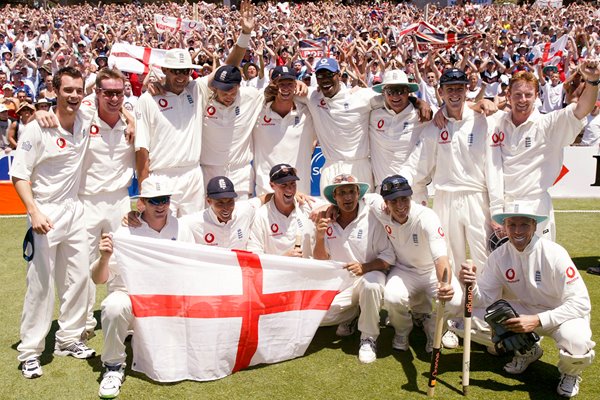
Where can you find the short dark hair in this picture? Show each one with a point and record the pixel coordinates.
(68, 71)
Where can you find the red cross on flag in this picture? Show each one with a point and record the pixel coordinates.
(202, 313)
(135, 59)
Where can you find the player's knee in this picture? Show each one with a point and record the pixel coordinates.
(115, 307)
(395, 300)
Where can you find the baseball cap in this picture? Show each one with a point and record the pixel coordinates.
(395, 77)
(154, 186)
(3, 108)
(282, 173)
(227, 77)
(282, 72)
(8, 86)
(341, 180)
(178, 59)
(329, 64)
(220, 187)
(550, 68)
(395, 186)
(452, 76)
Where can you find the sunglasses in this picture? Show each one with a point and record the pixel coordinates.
(395, 91)
(160, 200)
(282, 173)
(180, 71)
(395, 185)
(111, 93)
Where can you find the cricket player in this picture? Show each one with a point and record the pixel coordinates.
(46, 174)
(394, 129)
(284, 132)
(532, 143)
(225, 222)
(169, 134)
(421, 252)
(466, 168)
(108, 164)
(542, 284)
(117, 317)
(282, 226)
(355, 237)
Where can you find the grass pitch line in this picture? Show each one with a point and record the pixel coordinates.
(578, 211)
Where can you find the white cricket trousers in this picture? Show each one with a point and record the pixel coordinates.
(103, 213)
(188, 186)
(404, 285)
(117, 318)
(465, 218)
(242, 177)
(367, 293)
(360, 169)
(60, 260)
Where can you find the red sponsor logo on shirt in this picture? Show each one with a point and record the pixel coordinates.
(163, 103)
(510, 274)
(87, 103)
(329, 231)
(441, 231)
(209, 238)
(388, 229)
(94, 130)
(211, 110)
(267, 120)
(322, 104)
(380, 123)
(498, 138)
(570, 272)
(274, 228)
(60, 142)
(444, 136)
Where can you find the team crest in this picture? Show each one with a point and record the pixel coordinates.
(26, 146)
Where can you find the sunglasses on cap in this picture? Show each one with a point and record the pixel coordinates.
(282, 173)
(395, 91)
(341, 178)
(395, 185)
(160, 200)
(180, 71)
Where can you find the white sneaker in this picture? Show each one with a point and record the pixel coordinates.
(367, 352)
(520, 362)
(113, 378)
(346, 328)
(568, 385)
(450, 340)
(31, 368)
(400, 342)
(77, 350)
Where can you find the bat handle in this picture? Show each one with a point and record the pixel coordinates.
(467, 334)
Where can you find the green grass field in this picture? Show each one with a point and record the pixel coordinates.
(329, 370)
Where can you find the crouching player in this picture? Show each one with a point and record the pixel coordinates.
(546, 291)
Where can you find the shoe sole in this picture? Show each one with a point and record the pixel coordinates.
(524, 369)
(65, 353)
(31, 376)
(110, 396)
(369, 361)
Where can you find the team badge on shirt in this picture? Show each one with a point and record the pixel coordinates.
(415, 238)
(237, 111)
(240, 234)
(359, 234)
(296, 120)
(61, 143)
(164, 105)
(26, 146)
(528, 141)
(470, 139)
(346, 106)
(190, 99)
(210, 111)
(538, 276)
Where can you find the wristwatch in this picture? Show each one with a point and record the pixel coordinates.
(593, 83)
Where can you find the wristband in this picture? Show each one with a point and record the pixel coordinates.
(593, 83)
(243, 40)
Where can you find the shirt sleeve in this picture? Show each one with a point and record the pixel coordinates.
(142, 123)
(571, 287)
(28, 151)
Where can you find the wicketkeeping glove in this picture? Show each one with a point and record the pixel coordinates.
(505, 340)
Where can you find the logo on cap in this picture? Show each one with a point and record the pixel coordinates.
(222, 184)
(223, 75)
